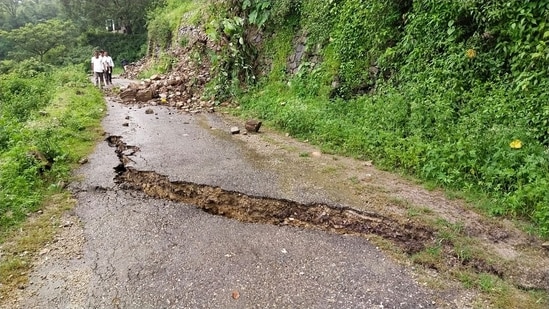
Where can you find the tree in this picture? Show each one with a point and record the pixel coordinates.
(8, 8)
(33, 11)
(39, 39)
(16, 13)
(129, 15)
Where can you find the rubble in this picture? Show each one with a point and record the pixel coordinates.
(182, 87)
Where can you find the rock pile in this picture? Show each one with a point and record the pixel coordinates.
(183, 86)
(177, 89)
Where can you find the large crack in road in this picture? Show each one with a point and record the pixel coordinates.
(411, 237)
(246, 208)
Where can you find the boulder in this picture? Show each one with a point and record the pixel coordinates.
(144, 95)
(128, 94)
(235, 130)
(252, 125)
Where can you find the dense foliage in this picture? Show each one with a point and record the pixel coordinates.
(49, 38)
(453, 92)
(17, 13)
(127, 16)
(130, 47)
(67, 32)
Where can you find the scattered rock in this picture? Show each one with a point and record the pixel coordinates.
(83, 161)
(235, 130)
(125, 124)
(183, 86)
(235, 294)
(545, 245)
(316, 154)
(253, 125)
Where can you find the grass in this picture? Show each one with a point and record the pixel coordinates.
(452, 243)
(500, 293)
(407, 136)
(413, 211)
(117, 70)
(41, 151)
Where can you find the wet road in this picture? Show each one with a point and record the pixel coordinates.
(141, 252)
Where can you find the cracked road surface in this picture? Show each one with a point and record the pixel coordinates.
(128, 249)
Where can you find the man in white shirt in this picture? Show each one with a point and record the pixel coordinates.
(97, 69)
(108, 65)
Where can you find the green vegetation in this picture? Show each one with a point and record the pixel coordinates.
(127, 16)
(455, 255)
(163, 26)
(22, 245)
(41, 38)
(164, 21)
(50, 116)
(48, 123)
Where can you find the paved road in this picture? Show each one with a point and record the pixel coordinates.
(140, 252)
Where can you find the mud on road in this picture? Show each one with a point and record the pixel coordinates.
(175, 212)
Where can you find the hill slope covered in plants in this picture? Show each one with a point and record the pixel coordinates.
(452, 92)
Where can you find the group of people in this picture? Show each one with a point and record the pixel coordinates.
(102, 65)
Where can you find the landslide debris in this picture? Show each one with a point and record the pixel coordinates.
(183, 87)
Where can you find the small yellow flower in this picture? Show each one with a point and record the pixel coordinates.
(516, 144)
(471, 53)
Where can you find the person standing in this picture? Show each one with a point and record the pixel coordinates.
(109, 64)
(97, 69)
